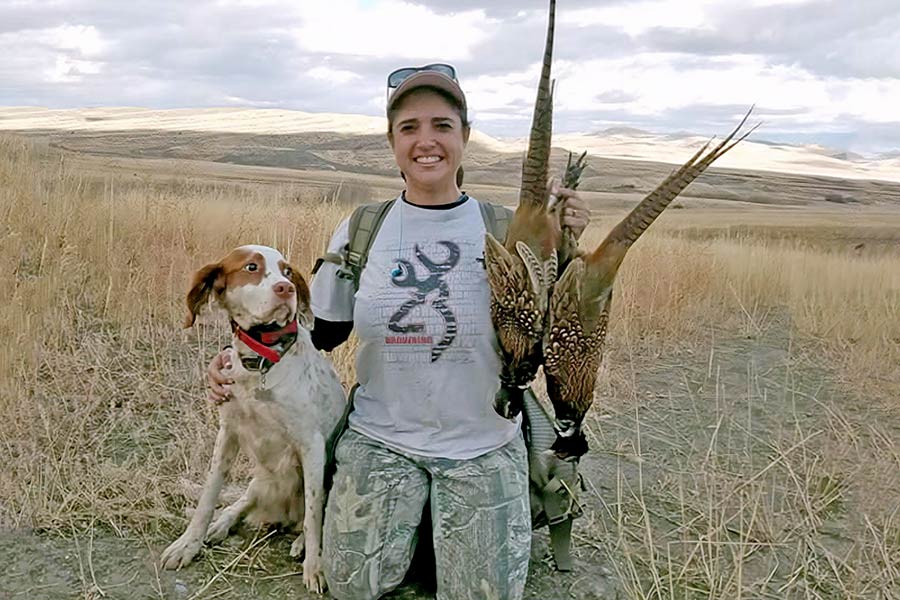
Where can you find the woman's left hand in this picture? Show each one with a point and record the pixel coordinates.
(576, 215)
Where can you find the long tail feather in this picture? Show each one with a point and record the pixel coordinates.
(612, 250)
(537, 159)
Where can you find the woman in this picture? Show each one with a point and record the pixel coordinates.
(423, 425)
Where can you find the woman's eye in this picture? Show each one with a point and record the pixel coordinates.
(251, 267)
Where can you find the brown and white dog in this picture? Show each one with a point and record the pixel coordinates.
(286, 402)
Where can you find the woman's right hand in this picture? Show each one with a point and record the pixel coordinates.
(219, 382)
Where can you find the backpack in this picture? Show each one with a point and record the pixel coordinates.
(554, 503)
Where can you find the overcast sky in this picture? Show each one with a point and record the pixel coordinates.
(825, 71)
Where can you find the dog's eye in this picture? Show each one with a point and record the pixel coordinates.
(287, 272)
(251, 267)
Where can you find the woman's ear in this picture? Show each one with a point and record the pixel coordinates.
(466, 132)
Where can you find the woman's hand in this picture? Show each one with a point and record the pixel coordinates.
(219, 382)
(575, 213)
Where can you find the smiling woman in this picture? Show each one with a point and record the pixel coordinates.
(423, 427)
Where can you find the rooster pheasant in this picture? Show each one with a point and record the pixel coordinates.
(580, 302)
(522, 270)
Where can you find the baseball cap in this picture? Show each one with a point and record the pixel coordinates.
(439, 75)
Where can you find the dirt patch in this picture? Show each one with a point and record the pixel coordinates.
(745, 467)
(103, 565)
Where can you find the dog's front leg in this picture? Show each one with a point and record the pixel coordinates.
(183, 550)
(313, 460)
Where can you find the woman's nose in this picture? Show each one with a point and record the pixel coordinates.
(425, 141)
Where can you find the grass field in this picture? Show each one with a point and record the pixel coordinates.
(745, 438)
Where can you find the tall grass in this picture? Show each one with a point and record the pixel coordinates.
(102, 411)
(101, 392)
(673, 290)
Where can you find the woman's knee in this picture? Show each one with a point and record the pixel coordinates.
(373, 510)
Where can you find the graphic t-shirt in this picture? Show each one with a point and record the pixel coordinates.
(428, 363)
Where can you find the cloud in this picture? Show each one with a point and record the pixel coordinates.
(333, 76)
(827, 67)
(510, 8)
(826, 37)
(389, 29)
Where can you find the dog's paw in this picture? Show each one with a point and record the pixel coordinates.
(180, 552)
(298, 546)
(313, 576)
(219, 529)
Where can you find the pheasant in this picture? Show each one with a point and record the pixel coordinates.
(522, 270)
(580, 302)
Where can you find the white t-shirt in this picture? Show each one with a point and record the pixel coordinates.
(428, 363)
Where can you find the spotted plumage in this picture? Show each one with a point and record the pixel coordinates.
(579, 304)
(522, 269)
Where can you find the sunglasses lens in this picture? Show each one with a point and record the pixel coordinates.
(401, 75)
(442, 68)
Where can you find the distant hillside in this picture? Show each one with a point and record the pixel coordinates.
(622, 160)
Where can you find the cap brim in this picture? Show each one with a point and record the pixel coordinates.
(431, 79)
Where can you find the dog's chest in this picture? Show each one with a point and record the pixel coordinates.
(289, 407)
(261, 427)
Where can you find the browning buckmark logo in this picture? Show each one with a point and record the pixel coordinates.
(427, 284)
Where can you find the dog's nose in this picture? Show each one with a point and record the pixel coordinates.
(283, 289)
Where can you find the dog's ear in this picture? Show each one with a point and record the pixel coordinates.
(208, 280)
(304, 312)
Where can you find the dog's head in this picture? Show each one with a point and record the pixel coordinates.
(255, 285)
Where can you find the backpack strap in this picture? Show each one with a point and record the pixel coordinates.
(364, 225)
(332, 442)
(365, 221)
(329, 257)
(496, 219)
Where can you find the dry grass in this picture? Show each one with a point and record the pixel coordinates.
(102, 415)
(102, 400)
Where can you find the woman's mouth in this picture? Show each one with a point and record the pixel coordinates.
(427, 160)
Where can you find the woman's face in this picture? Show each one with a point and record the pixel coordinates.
(428, 140)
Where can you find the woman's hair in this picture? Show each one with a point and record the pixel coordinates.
(449, 99)
(460, 110)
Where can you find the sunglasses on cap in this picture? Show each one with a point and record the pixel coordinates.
(400, 75)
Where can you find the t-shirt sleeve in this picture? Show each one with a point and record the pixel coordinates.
(332, 297)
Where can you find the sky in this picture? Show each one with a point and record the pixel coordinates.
(818, 71)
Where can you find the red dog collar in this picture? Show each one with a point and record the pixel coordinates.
(271, 345)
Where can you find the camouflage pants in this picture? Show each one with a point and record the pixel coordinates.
(479, 511)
